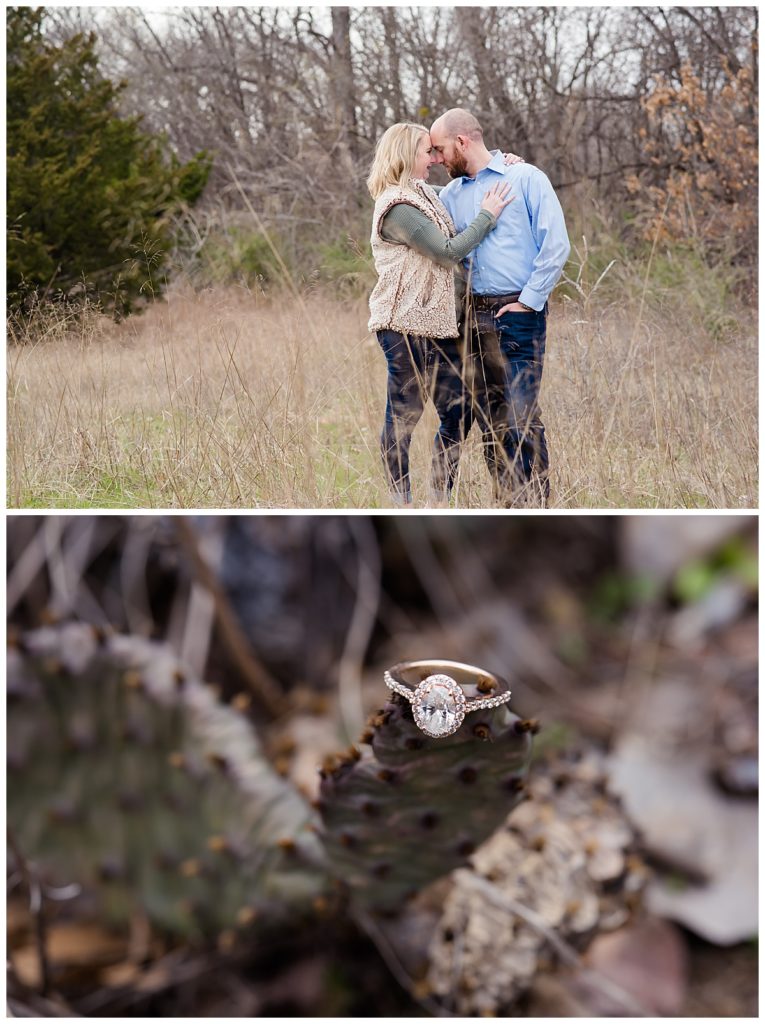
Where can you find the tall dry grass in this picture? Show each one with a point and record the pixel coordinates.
(228, 398)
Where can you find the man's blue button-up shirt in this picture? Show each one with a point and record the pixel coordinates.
(529, 247)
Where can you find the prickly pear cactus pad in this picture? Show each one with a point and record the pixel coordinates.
(405, 809)
(133, 779)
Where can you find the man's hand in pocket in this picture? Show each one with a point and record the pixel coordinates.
(514, 307)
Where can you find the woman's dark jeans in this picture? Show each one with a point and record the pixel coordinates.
(418, 369)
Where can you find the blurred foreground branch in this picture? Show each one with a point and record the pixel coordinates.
(261, 682)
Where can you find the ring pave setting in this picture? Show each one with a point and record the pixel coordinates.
(439, 703)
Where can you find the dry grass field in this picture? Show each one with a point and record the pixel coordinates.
(231, 399)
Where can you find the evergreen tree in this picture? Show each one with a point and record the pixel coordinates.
(89, 193)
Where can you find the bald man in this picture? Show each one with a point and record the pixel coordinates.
(511, 275)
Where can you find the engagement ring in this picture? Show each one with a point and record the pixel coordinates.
(439, 701)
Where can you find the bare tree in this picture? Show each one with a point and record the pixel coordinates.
(291, 101)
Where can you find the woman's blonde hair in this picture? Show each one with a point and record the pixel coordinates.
(394, 157)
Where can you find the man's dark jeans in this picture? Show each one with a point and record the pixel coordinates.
(506, 357)
(418, 369)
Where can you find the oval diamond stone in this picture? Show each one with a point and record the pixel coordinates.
(439, 706)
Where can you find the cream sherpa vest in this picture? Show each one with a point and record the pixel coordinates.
(413, 294)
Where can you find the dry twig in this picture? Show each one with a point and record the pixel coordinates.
(261, 682)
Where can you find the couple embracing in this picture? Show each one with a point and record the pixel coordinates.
(473, 341)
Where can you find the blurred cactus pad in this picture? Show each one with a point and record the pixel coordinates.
(406, 809)
(133, 779)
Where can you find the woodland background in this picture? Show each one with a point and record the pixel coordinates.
(244, 137)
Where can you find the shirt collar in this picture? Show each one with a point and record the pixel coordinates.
(497, 164)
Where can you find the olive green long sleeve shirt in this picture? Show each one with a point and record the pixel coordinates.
(409, 226)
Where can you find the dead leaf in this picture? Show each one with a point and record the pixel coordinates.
(71, 945)
(647, 959)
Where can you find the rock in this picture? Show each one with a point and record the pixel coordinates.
(689, 825)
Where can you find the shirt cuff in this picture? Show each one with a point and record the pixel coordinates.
(531, 298)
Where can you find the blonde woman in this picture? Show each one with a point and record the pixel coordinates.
(414, 304)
